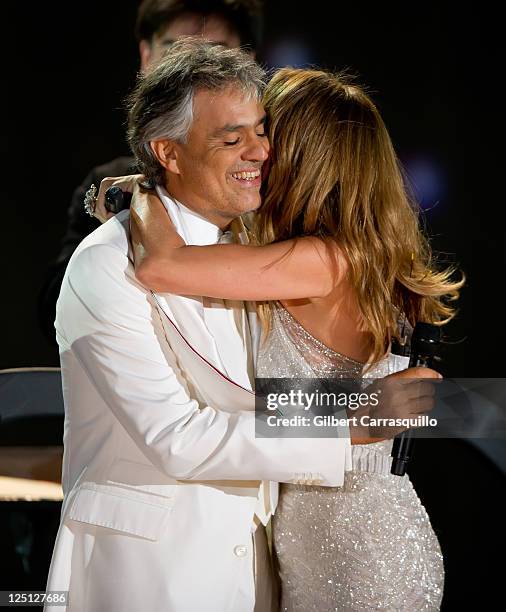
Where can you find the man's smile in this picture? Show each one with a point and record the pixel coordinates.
(248, 178)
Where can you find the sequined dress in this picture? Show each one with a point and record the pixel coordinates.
(367, 545)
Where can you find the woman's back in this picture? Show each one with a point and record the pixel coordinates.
(335, 320)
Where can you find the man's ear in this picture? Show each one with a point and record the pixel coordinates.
(166, 153)
(145, 54)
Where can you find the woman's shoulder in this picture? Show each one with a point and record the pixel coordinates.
(324, 253)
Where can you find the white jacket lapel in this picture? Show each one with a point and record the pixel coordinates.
(217, 328)
(224, 320)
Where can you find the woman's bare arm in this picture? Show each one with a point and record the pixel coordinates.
(306, 267)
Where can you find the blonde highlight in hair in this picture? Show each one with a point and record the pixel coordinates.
(334, 174)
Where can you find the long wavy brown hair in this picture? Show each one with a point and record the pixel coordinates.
(334, 174)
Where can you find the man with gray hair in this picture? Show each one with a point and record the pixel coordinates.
(167, 489)
(159, 23)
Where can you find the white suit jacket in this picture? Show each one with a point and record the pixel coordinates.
(161, 469)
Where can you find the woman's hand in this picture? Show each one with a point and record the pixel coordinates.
(125, 183)
(152, 233)
(401, 396)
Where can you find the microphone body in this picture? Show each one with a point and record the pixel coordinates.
(116, 199)
(425, 343)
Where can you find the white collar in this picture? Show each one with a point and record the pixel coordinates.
(195, 229)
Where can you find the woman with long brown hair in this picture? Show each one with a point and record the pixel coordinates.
(337, 258)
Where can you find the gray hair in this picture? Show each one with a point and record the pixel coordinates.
(161, 105)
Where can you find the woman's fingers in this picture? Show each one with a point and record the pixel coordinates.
(416, 372)
(125, 183)
(402, 397)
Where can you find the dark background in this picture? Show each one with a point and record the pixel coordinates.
(431, 70)
(71, 64)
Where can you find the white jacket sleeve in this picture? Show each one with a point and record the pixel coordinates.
(110, 324)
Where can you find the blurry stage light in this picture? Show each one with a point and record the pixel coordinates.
(427, 181)
(288, 52)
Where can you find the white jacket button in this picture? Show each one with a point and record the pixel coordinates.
(241, 550)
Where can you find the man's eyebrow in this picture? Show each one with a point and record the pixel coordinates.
(228, 128)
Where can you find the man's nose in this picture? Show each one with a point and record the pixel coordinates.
(257, 149)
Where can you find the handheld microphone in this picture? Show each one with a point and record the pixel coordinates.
(116, 199)
(425, 343)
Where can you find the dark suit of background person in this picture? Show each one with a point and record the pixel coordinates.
(79, 225)
(159, 22)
